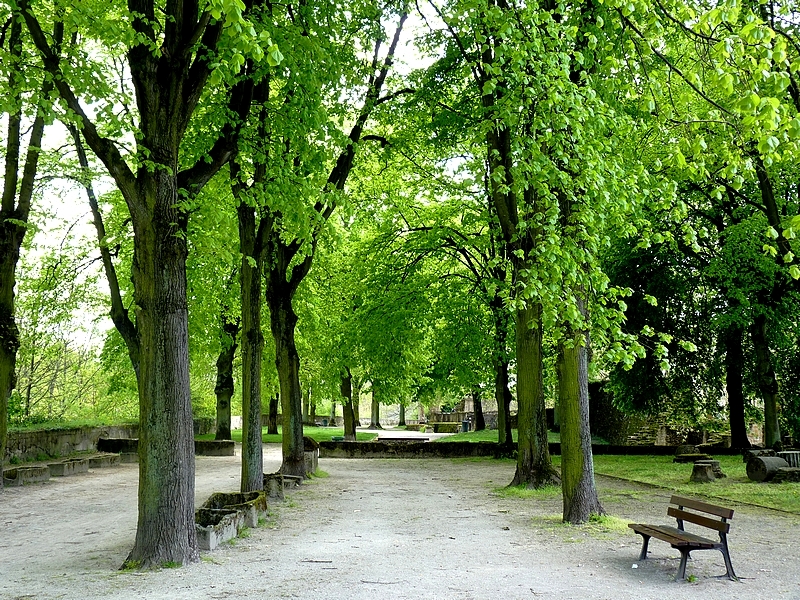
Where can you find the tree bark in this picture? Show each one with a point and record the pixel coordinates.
(375, 410)
(348, 414)
(477, 407)
(165, 531)
(252, 348)
(577, 466)
(732, 338)
(402, 420)
(272, 418)
(502, 394)
(306, 408)
(283, 321)
(503, 398)
(357, 407)
(767, 381)
(534, 467)
(225, 387)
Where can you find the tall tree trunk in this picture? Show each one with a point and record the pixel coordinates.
(283, 321)
(312, 406)
(732, 338)
(577, 466)
(477, 407)
(332, 417)
(534, 467)
(375, 410)
(357, 407)
(348, 415)
(166, 530)
(9, 334)
(225, 387)
(402, 421)
(252, 348)
(306, 408)
(503, 398)
(502, 394)
(272, 418)
(767, 381)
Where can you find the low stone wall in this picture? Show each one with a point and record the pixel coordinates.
(471, 449)
(407, 449)
(30, 445)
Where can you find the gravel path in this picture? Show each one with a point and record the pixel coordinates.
(381, 529)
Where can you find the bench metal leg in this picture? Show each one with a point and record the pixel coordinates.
(726, 555)
(682, 566)
(645, 541)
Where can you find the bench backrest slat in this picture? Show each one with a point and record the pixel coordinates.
(725, 513)
(685, 515)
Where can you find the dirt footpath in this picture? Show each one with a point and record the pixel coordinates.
(381, 529)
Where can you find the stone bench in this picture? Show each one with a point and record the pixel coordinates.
(446, 427)
(105, 460)
(224, 515)
(22, 475)
(71, 466)
(214, 447)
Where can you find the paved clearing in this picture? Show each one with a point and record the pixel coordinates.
(381, 529)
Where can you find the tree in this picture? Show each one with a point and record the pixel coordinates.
(169, 50)
(291, 228)
(745, 108)
(18, 189)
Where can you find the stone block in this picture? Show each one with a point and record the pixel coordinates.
(216, 526)
(23, 475)
(311, 461)
(68, 467)
(214, 447)
(252, 505)
(273, 487)
(102, 461)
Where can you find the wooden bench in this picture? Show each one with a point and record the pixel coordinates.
(693, 511)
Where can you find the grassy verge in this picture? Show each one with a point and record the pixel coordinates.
(320, 434)
(490, 435)
(736, 487)
(662, 472)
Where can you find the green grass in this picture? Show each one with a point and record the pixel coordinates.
(320, 434)
(736, 487)
(74, 424)
(520, 491)
(490, 435)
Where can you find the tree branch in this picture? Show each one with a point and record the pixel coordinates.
(106, 151)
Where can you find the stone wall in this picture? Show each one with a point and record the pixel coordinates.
(28, 445)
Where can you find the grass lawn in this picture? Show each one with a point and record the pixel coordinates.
(736, 487)
(490, 435)
(320, 434)
(487, 435)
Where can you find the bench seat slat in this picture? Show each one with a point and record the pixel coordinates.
(674, 536)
